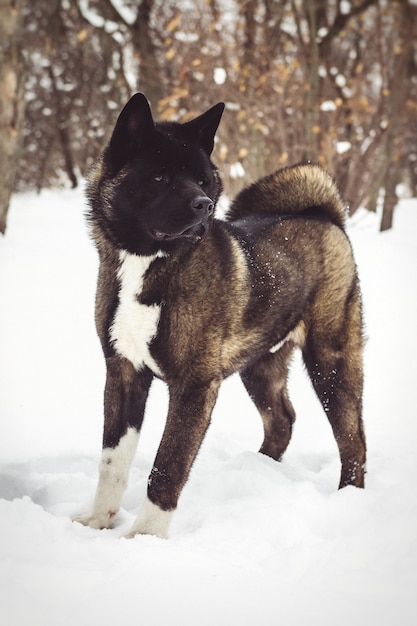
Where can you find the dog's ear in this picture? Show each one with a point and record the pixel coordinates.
(133, 127)
(203, 128)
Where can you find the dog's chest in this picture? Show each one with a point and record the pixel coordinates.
(134, 324)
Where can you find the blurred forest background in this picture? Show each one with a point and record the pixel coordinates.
(329, 81)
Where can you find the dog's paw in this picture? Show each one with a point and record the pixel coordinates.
(134, 531)
(96, 521)
(152, 520)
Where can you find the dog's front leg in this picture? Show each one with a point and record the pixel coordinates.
(188, 418)
(124, 404)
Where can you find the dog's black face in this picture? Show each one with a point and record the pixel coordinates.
(160, 187)
(168, 193)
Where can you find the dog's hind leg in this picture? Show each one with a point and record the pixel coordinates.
(334, 363)
(125, 396)
(266, 383)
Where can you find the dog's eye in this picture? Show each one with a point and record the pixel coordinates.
(202, 182)
(158, 178)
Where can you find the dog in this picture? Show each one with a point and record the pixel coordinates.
(191, 299)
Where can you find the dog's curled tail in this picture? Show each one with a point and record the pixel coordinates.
(297, 190)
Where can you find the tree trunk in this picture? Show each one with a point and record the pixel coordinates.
(150, 79)
(391, 198)
(62, 121)
(401, 90)
(11, 99)
(311, 98)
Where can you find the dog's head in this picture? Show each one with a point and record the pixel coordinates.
(155, 186)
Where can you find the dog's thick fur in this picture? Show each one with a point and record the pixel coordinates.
(192, 299)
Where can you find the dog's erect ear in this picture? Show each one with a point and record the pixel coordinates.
(134, 125)
(203, 128)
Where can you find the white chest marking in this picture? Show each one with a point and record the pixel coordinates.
(134, 324)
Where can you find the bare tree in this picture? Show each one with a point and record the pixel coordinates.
(323, 80)
(11, 99)
(397, 110)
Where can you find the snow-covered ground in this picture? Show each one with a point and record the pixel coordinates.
(253, 541)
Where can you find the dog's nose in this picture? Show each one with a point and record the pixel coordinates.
(203, 203)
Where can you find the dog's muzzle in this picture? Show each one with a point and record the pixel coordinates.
(203, 210)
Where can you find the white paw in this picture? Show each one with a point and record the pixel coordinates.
(151, 520)
(96, 521)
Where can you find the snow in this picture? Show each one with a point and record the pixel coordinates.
(253, 541)
(219, 75)
(328, 105)
(343, 146)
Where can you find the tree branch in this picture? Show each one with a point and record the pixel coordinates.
(340, 23)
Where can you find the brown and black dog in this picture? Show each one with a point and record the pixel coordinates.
(191, 299)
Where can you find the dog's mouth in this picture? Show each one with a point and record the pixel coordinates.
(194, 233)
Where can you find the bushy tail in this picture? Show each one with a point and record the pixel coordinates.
(297, 190)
